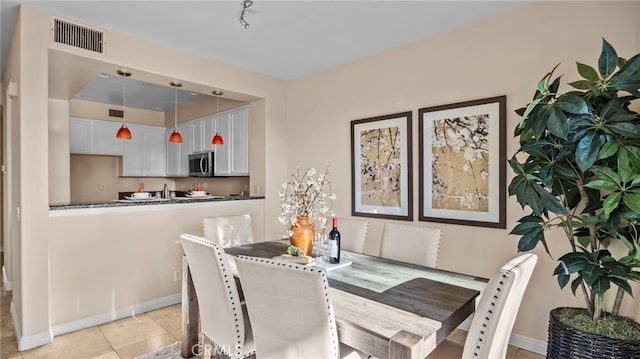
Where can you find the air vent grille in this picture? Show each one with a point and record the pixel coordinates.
(79, 36)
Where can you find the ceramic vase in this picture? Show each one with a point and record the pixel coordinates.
(303, 233)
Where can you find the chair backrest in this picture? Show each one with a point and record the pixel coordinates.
(221, 315)
(411, 244)
(353, 234)
(291, 314)
(493, 320)
(228, 231)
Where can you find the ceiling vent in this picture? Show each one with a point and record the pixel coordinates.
(79, 36)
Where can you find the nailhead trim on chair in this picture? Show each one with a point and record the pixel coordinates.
(234, 305)
(323, 274)
(496, 297)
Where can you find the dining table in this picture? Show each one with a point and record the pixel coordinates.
(382, 307)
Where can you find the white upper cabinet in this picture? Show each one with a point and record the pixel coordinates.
(240, 142)
(149, 153)
(94, 137)
(145, 154)
(177, 164)
(222, 153)
(198, 141)
(232, 158)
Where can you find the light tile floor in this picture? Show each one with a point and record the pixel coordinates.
(130, 337)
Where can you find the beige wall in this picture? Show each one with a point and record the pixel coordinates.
(98, 111)
(116, 261)
(505, 55)
(59, 191)
(28, 66)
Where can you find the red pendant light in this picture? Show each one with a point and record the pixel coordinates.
(176, 137)
(123, 132)
(217, 139)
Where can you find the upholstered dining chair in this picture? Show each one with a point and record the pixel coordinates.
(353, 234)
(228, 231)
(488, 336)
(223, 318)
(411, 244)
(290, 310)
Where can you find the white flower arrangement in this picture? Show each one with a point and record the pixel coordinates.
(304, 196)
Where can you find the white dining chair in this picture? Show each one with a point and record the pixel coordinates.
(493, 320)
(353, 234)
(290, 310)
(228, 231)
(411, 244)
(223, 318)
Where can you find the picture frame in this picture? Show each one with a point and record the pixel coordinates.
(381, 167)
(462, 149)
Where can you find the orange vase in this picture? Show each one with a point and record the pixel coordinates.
(303, 233)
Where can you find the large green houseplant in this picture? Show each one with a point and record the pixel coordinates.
(578, 169)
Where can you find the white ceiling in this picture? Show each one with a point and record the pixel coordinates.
(285, 39)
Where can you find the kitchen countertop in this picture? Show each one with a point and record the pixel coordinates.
(178, 200)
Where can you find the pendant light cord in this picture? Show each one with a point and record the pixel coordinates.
(175, 88)
(124, 100)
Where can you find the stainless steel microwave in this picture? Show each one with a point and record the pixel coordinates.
(201, 165)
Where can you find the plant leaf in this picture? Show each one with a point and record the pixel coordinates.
(587, 151)
(557, 122)
(581, 84)
(632, 201)
(572, 103)
(606, 173)
(626, 129)
(609, 149)
(611, 202)
(608, 59)
(587, 72)
(602, 185)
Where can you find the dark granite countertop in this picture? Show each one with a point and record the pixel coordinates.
(121, 203)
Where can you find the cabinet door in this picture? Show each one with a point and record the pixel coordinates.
(145, 154)
(222, 153)
(197, 128)
(133, 157)
(173, 154)
(185, 149)
(81, 136)
(155, 152)
(239, 142)
(105, 140)
(209, 130)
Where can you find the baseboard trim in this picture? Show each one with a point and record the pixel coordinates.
(118, 314)
(6, 283)
(32, 341)
(517, 340)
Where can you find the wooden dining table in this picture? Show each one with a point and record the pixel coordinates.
(385, 308)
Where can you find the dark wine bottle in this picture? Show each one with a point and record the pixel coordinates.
(334, 243)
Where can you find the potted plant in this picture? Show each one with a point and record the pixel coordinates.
(578, 170)
(303, 198)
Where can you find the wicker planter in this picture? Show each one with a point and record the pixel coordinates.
(568, 342)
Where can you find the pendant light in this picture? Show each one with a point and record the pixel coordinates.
(217, 139)
(123, 132)
(175, 135)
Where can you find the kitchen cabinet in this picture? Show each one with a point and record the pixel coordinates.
(197, 135)
(146, 153)
(240, 142)
(232, 158)
(222, 153)
(177, 164)
(94, 137)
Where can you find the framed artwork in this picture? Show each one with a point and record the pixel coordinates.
(462, 163)
(381, 167)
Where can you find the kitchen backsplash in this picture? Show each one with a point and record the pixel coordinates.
(96, 179)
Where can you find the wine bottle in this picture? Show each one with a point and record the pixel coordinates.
(334, 243)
